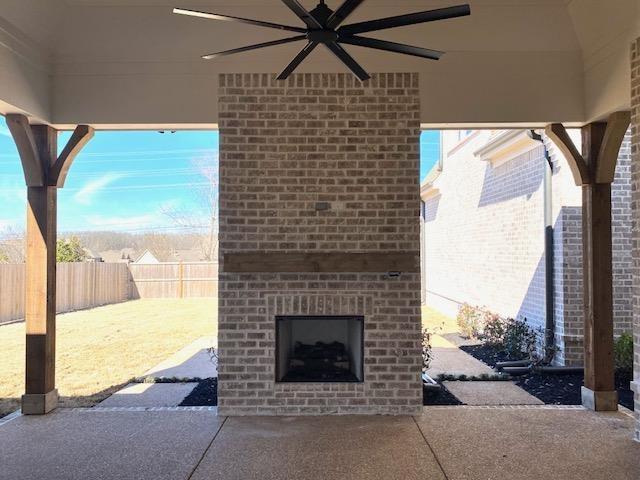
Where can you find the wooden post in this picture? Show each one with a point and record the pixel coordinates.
(44, 173)
(180, 280)
(40, 297)
(594, 170)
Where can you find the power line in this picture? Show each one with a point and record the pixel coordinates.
(129, 174)
(80, 161)
(134, 187)
(140, 153)
(118, 228)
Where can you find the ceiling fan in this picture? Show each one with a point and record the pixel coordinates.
(322, 26)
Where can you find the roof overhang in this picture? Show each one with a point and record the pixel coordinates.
(506, 146)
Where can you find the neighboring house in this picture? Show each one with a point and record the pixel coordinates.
(146, 258)
(187, 255)
(483, 217)
(92, 257)
(124, 255)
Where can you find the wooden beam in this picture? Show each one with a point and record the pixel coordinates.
(255, 262)
(616, 128)
(561, 139)
(32, 165)
(58, 173)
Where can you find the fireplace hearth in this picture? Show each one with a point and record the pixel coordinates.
(319, 349)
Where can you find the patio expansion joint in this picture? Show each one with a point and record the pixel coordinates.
(433, 452)
(140, 409)
(503, 407)
(206, 450)
(11, 416)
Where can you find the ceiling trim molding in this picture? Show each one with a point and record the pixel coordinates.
(19, 44)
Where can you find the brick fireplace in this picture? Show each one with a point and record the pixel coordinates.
(319, 223)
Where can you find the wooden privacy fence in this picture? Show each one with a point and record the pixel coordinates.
(86, 285)
(173, 280)
(78, 286)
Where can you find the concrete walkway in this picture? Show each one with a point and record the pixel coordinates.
(150, 395)
(446, 443)
(193, 361)
(491, 393)
(448, 359)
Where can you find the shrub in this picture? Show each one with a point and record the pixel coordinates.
(623, 350)
(519, 338)
(469, 321)
(493, 328)
(427, 349)
(70, 250)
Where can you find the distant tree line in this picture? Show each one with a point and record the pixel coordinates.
(73, 247)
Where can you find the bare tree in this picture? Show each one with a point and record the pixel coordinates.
(12, 245)
(160, 245)
(205, 218)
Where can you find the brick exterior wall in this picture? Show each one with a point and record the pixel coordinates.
(283, 147)
(569, 262)
(479, 234)
(635, 198)
(483, 240)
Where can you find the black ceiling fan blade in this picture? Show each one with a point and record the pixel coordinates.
(304, 15)
(342, 54)
(229, 18)
(282, 41)
(392, 47)
(299, 58)
(343, 12)
(404, 20)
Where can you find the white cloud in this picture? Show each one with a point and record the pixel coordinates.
(85, 195)
(135, 221)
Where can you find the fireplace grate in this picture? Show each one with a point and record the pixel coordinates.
(319, 349)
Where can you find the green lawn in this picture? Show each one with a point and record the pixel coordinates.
(437, 322)
(101, 349)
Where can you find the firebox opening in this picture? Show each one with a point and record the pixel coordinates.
(319, 349)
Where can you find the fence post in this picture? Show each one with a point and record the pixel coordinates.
(180, 280)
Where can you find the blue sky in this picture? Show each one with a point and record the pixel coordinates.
(120, 181)
(429, 151)
(125, 180)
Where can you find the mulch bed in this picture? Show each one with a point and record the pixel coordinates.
(204, 395)
(552, 389)
(487, 354)
(439, 396)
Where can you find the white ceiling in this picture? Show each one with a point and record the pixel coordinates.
(134, 62)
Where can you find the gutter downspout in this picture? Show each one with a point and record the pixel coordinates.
(549, 285)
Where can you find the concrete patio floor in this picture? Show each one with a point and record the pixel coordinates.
(444, 443)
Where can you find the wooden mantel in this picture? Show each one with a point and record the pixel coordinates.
(321, 262)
